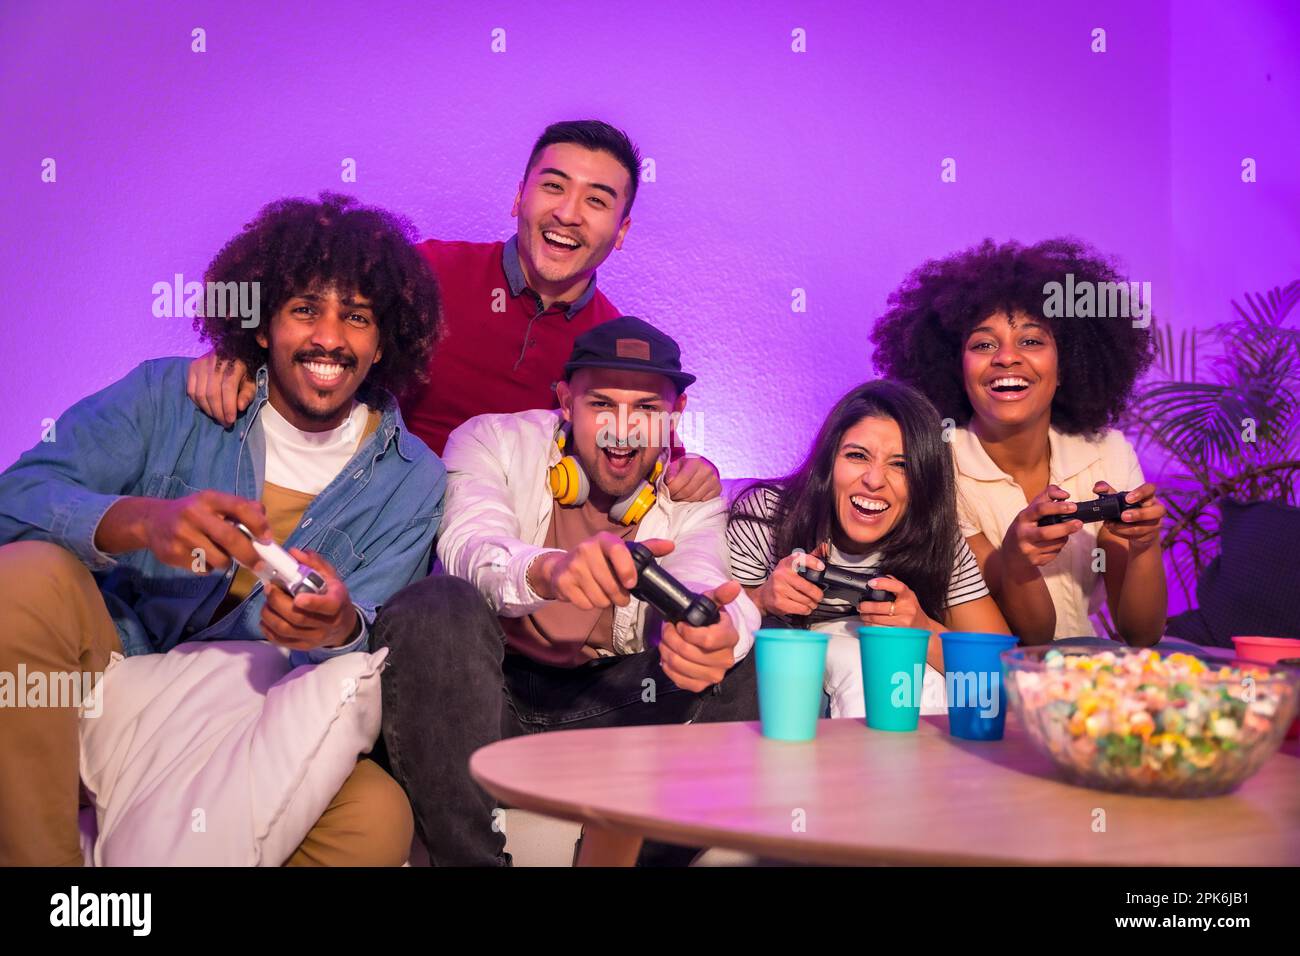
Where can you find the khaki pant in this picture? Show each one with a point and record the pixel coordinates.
(53, 619)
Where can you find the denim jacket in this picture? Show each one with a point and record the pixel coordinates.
(142, 436)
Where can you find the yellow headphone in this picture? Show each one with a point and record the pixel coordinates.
(570, 486)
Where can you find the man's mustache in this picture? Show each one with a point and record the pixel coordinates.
(342, 358)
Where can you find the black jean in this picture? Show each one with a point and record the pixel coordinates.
(450, 688)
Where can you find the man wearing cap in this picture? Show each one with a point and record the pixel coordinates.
(534, 628)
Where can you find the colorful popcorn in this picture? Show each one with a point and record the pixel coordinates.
(1136, 720)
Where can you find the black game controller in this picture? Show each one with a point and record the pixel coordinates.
(845, 584)
(1105, 508)
(666, 594)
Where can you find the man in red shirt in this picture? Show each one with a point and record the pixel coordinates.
(513, 309)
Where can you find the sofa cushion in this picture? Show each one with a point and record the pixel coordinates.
(221, 754)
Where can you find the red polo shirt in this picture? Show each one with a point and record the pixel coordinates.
(500, 351)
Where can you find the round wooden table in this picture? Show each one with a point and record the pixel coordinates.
(860, 796)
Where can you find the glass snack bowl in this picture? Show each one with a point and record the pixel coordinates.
(1138, 721)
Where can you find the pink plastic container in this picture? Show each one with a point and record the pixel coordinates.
(1270, 650)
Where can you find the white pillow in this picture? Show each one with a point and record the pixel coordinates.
(218, 754)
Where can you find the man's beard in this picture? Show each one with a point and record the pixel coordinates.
(321, 412)
(317, 414)
(619, 488)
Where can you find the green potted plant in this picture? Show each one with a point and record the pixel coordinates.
(1219, 419)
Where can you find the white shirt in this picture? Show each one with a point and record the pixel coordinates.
(309, 461)
(988, 500)
(498, 507)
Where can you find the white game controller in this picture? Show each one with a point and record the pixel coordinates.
(280, 568)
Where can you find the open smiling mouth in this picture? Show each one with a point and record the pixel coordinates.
(1009, 385)
(619, 459)
(560, 240)
(323, 373)
(868, 509)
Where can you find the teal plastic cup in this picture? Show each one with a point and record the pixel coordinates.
(977, 701)
(791, 671)
(893, 673)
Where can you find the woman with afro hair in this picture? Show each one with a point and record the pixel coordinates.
(1030, 398)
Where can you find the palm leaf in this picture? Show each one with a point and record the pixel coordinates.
(1194, 421)
(1253, 363)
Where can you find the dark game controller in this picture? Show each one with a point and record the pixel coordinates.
(666, 594)
(845, 584)
(1105, 508)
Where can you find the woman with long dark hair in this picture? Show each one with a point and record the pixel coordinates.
(1033, 387)
(874, 493)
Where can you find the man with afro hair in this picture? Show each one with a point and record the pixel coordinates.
(120, 535)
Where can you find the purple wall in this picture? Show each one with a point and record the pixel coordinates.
(776, 170)
(1234, 82)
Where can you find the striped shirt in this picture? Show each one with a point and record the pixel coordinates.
(753, 558)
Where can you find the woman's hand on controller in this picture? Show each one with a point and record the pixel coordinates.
(784, 592)
(903, 611)
(1138, 527)
(1026, 542)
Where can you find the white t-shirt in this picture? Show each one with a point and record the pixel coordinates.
(309, 461)
(988, 500)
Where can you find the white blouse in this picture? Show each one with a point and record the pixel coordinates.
(988, 500)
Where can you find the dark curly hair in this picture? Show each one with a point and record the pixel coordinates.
(297, 244)
(920, 339)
